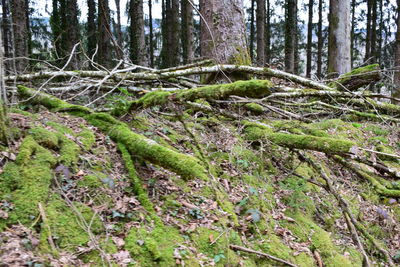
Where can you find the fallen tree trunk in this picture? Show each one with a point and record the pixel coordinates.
(252, 88)
(357, 78)
(137, 145)
(255, 132)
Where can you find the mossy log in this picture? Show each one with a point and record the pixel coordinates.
(357, 78)
(255, 132)
(252, 88)
(137, 145)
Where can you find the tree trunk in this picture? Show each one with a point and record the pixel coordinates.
(353, 27)
(151, 35)
(290, 35)
(118, 28)
(91, 28)
(104, 53)
(223, 35)
(7, 37)
(260, 33)
(374, 32)
(187, 31)
(174, 33)
(268, 35)
(71, 33)
(396, 90)
(252, 30)
(21, 35)
(309, 37)
(3, 99)
(320, 40)
(137, 44)
(368, 34)
(339, 58)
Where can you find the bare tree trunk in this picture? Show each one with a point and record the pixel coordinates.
(396, 90)
(187, 31)
(374, 32)
(268, 35)
(7, 36)
(91, 27)
(368, 34)
(104, 55)
(353, 26)
(151, 35)
(71, 33)
(21, 35)
(309, 37)
(320, 41)
(290, 35)
(339, 58)
(252, 30)
(174, 33)
(118, 28)
(137, 44)
(223, 35)
(3, 99)
(260, 33)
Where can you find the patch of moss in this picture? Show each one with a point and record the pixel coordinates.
(153, 247)
(254, 108)
(306, 229)
(69, 226)
(90, 181)
(69, 151)
(35, 165)
(44, 137)
(376, 130)
(10, 178)
(87, 138)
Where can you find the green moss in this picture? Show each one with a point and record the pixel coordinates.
(69, 151)
(86, 138)
(60, 127)
(387, 150)
(69, 226)
(306, 229)
(251, 88)
(255, 132)
(376, 130)
(44, 137)
(90, 181)
(10, 179)
(94, 257)
(254, 108)
(35, 165)
(153, 247)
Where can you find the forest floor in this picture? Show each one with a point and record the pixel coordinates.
(71, 196)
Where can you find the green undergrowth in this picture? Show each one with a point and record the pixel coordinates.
(198, 188)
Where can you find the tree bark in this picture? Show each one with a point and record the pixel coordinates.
(91, 27)
(21, 35)
(70, 32)
(353, 27)
(137, 44)
(151, 35)
(396, 90)
(187, 31)
(320, 40)
(368, 34)
(374, 32)
(290, 35)
(118, 28)
(268, 35)
(7, 36)
(252, 30)
(339, 58)
(223, 35)
(309, 37)
(261, 33)
(105, 51)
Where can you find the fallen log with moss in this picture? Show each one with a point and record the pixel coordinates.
(357, 78)
(252, 88)
(138, 145)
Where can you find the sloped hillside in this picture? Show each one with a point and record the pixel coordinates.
(200, 185)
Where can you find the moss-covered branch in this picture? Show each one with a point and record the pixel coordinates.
(252, 88)
(137, 145)
(255, 131)
(357, 78)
